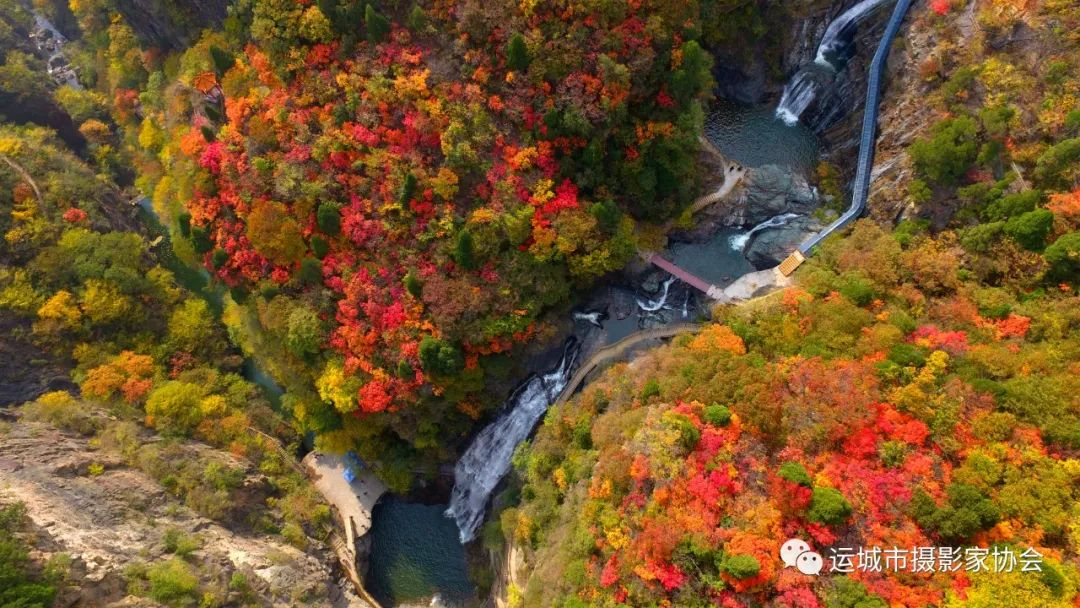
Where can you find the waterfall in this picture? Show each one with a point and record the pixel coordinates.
(488, 458)
(801, 91)
(655, 305)
(594, 317)
(738, 242)
(797, 96)
(831, 43)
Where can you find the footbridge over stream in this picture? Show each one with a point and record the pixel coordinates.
(860, 188)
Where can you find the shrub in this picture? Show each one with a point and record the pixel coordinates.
(717, 415)
(328, 217)
(828, 506)
(651, 389)
(173, 582)
(857, 289)
(909, 229)
(945, 156)
(979, 239)
(1053, 166)
(1053, 579)
(1072, 121)
(1031, 229)
(966, 512)
(795, 473)
(907, 355)
(180, 543)
(1063, 255)
(740, 566)
(18, 588)
(439, 357)
(174, 406)
(1012, 205)
(892, 453)
(919, 191)
(848, 593)
(689, 435)
(61, 410)
(959, 82)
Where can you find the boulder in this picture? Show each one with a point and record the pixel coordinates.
(769, 247)
(771, 190)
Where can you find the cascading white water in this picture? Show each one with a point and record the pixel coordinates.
(797, 96)
(801, 91)
(655, 305)
(594, 318)
(738, 242)
(488, 458)
(831, 42)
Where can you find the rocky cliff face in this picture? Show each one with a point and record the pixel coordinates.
(113, 520)
(758, 74)
(171, 24)
(905, 115)
(26, 371)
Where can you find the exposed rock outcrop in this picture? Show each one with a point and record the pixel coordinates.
(765, 192)
(169, 24)
(769, 247)
(26, 371)
(107, 521)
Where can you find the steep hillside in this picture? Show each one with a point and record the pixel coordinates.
(891, 401)
(122, 366)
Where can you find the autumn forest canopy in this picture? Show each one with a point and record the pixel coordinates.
(398, 193)
(388, 206)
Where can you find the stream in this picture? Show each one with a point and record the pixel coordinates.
(197, 281)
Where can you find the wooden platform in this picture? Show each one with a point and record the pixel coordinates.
(790, 263)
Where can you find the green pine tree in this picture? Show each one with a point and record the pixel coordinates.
(377, 25)
(517, 54)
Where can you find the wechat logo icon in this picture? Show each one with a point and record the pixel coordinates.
(795, 553)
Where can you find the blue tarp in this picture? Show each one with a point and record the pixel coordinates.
(349, 475)
(352, 460)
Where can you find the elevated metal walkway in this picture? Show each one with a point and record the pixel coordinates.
(861, 185)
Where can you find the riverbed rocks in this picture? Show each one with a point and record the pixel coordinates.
(772, 190)
(766, 192)
(769, 247)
